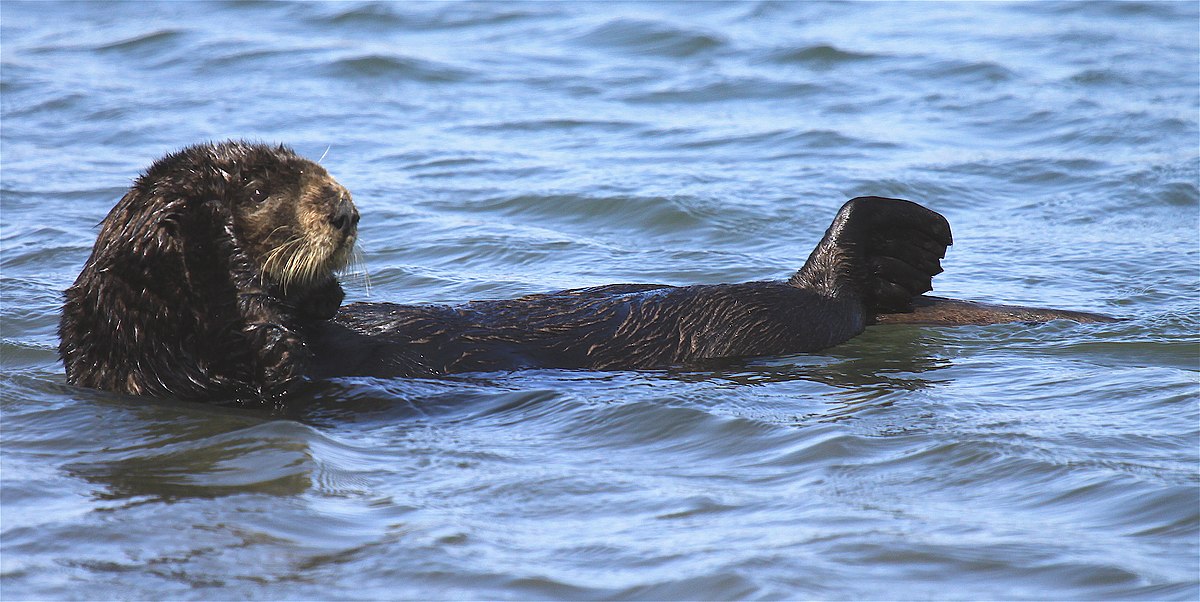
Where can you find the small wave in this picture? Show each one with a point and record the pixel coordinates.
(710, 439)
(789, 139)
(1173, 184)
(828, 444)
(541, 125)
(36, 316)
(1099, 77)
(222, 56)
(650, 38)
(964, 71)
(726, 90)
(63, 102)
(395, 68)
(821, 56)
(385, 16)
(1102, 10)
(371, 14)
(149, 42)
(1041, 172)
(633, 212)
(1132, 129)
(450, 164)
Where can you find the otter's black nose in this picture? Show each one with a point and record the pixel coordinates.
(345, 218)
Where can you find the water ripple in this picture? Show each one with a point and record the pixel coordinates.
(145, 44)
(650, 38)
(392, 68)
(726, 90)
(821, 56)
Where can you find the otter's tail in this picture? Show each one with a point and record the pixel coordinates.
(884, 251)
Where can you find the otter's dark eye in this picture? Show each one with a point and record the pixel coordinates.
(258, 195)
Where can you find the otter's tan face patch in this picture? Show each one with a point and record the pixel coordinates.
(298, 222)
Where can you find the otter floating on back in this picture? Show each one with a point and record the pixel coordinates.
(214, 278)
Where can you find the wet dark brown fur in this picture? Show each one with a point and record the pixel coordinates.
(876, 257)
(214, 278)
(181, 295)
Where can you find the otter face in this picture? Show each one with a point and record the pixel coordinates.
(296, 220)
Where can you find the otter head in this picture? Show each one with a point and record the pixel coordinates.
(292, 218)
(204, 272)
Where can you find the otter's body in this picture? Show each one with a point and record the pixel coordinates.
(213, 277)
(608, 327)
(620, 326)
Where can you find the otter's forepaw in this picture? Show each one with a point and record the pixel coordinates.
(280, 356)
(321, 303)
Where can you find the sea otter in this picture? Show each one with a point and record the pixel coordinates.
(214, 278)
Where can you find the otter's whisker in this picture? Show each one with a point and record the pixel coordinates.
(273, 256)
(278, 228)
(306, 265)
(357, 268)
(294, 265)
(360, 263)
(285, 253)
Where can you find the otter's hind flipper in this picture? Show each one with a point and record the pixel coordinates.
(940, 311)
(884, 251)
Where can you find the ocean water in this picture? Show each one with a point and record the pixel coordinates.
(497, 149)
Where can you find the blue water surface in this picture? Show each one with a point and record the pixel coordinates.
(504, 148)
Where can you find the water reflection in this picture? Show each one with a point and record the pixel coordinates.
(168, 450)
(171, 450)
(214, 469)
